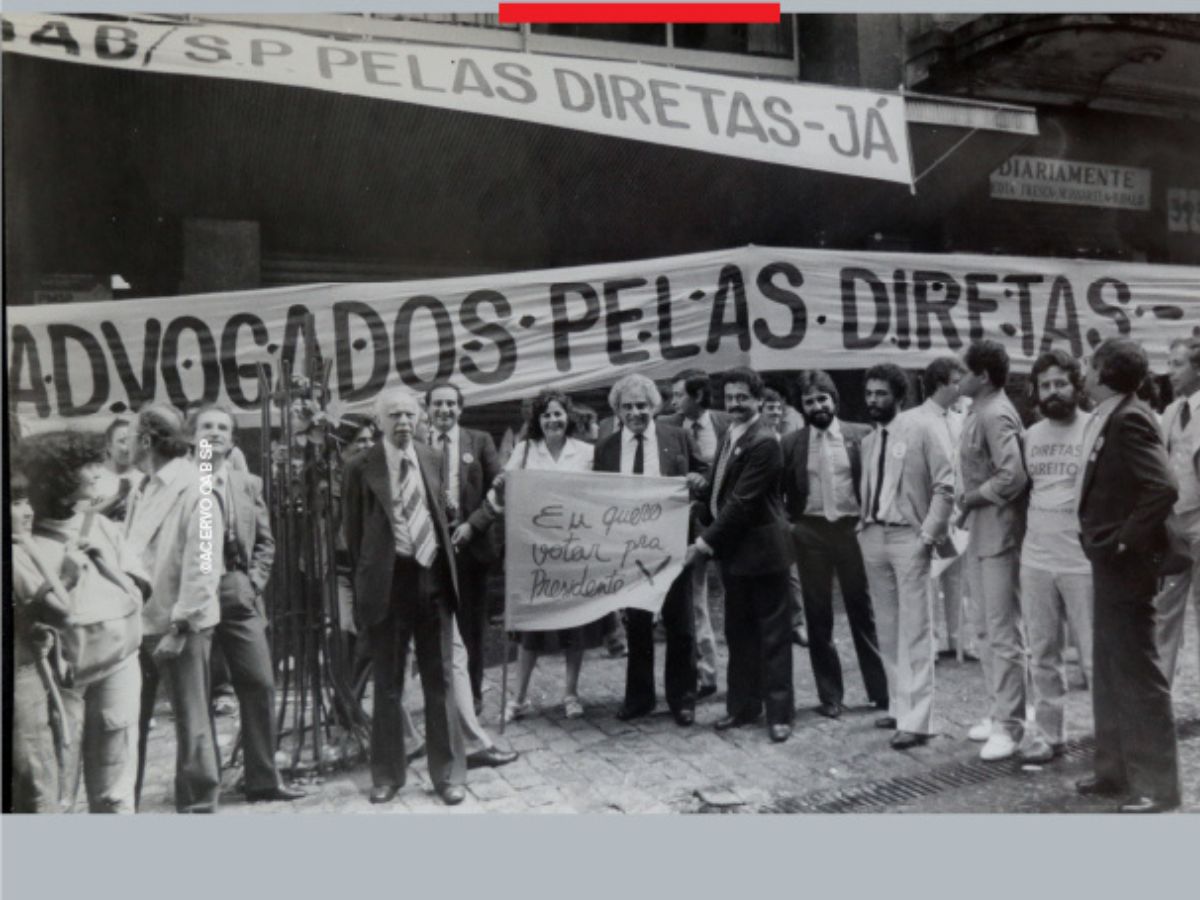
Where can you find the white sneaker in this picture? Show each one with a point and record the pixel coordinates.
(999, 746)
(980, 732)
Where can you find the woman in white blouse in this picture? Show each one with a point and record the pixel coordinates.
(549, 446)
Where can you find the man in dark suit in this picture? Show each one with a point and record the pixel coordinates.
(642, 447)
(692, 398)
(241, 634)
(747, 535)
(468, 464)
(1124, 498)
(406, 587)
(822, 466)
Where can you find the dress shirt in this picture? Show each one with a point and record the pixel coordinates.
(893, 467)
(393, 453)
(451, 486)
(649, 451)
(844, 504)
(705, 436)
(1182, 455)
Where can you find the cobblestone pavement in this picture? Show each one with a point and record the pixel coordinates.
(600, 765)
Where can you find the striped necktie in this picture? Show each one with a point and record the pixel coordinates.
(719, 477)
(413, 517)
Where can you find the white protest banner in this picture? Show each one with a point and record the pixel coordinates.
(831, 129)
(504, 337)
(579, 545)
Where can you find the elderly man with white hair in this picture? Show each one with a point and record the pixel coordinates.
(645, 447)
(398, 538)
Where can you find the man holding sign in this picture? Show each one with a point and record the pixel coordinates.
(644, 447)
(748, 537)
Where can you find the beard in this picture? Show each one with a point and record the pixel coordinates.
(1056, 408)
(882, 414)
(821, 418)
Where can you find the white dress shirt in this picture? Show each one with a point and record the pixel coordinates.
(649, 450)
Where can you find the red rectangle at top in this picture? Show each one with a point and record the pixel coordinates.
(639, 13)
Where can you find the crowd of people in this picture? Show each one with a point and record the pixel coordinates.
(138, 551)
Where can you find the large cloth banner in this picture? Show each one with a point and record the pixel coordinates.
(504, 337)
(579, 545)
(850, 132)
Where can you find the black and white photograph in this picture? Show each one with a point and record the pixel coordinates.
(505, 413)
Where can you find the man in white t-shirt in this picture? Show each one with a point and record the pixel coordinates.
(1056, 577)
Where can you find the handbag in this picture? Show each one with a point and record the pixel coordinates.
(105, 621)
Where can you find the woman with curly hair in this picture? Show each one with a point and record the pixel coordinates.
(72, 581)
(549, 445)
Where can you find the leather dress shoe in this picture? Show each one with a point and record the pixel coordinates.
(1147, 805)
(684, 717)
(452, 794)
(384, 793)
(279, 792)
(779, 732)
(726, 722)
(906, 740)
(1098, 787)
(628, 713)
(885, 722)
(706, 690)
(490, 757)
(831, 710)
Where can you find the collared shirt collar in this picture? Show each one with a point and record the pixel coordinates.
(834, 429)
(651, 434)
(437, 437)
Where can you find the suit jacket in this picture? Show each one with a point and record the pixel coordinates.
(991, 461)
(749, 535)
(795, 464)
(367, 523)
(163, 542)
(478, 466)
(721, 422)
(925, 489)
(1128, 489)
(253, 525)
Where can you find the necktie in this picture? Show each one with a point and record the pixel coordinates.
(826, 467)
(696, 429)
(722, 462)
(879, 475)
(417, 526)
(1185, 416)
(446, 463)
(639, 455)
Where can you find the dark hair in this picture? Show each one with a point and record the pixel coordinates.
(443, 384)
(986, 355)
(697, 385)
(52, 461)
(116, 423)
(770, 395)
(1121, 364)
(194, 418)
(1193, 349)
(352, 424)
(937, 373)
(1063, 360)
(18, 486)
(164, 425)
(748, 377)
(896, 380)
(550, 395)
(816, 381)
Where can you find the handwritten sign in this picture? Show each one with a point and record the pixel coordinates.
(582, 544)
